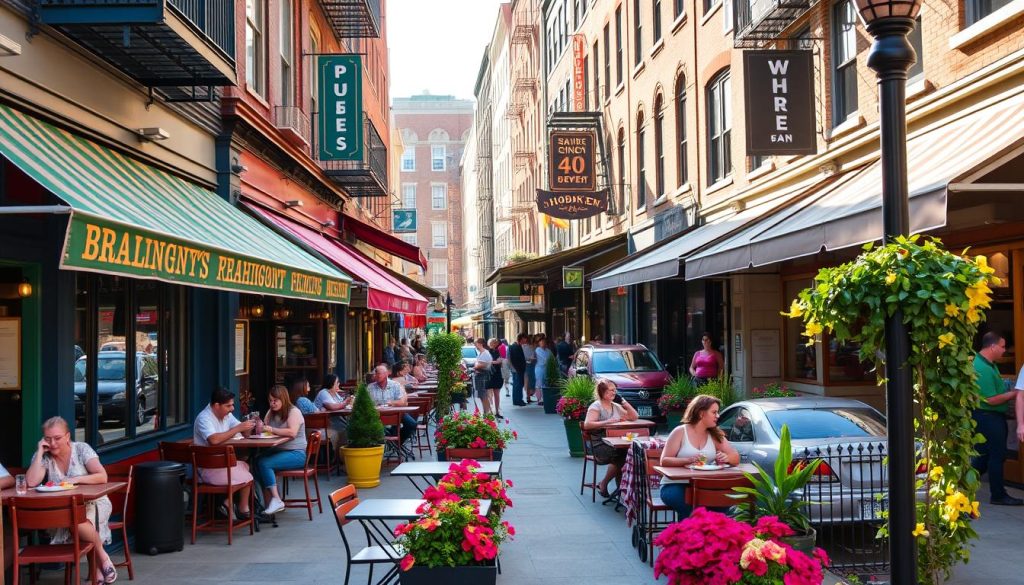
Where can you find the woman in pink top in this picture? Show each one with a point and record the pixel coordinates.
(707, 363)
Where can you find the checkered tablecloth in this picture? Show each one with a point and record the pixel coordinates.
(629, 486)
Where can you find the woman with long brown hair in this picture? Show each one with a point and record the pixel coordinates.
(282, 420)
(695, 441)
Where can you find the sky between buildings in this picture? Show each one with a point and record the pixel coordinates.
(437, 45)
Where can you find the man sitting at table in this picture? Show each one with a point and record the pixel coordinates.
(387, 392)
(215, 425)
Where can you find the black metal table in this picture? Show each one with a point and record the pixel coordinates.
(430, 471)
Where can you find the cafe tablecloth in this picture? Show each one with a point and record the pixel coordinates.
(629, 486)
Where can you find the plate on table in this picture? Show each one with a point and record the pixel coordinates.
(710, 466)
(61, 487)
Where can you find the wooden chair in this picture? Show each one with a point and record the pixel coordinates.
(709, 492)
(321, 421)
(49, 513)
(426, 404)
(219, 457)
(343, 500)
(623, 432)
(458, 454)
(588, 457)
(653, 515)
(308, 470)
(392, 420)
(121, 503)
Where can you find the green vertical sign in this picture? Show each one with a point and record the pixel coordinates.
(341, 107)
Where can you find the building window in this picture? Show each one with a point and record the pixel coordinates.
(659, 147)
(439, 197)
(844, 61)
(620, 208)
(801, 359)
(439, 234)
(439, 274)
(641, 163)
(437, 157)
(719, 128)
(638, 34)
(255, 47)
(597, 77)
(727, 15)
(409, 159)
(314, 46)
(287, 55)
(607, 62)
(110, 312)
(410, 238)
(978, 9)
(618, 46)
(916, 71)
(409, 195)
(710, 5)
(678, 8)
(656, 20)
(681, 167)
(757, 161)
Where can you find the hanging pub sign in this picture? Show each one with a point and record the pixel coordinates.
(572, 277)
(340, 121)
(403, 220)
(572, 205)
(571, 160)
(579, 73)
(779, 101)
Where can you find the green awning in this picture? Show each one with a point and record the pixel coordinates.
(132, 219)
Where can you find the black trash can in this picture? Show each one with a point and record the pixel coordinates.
(159, 507)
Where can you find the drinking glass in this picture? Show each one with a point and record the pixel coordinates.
(20, 485)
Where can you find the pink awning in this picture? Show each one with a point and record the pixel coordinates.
(384, 292)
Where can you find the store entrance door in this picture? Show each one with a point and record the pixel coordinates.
(12, 366)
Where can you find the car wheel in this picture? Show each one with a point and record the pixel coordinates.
(140, 411)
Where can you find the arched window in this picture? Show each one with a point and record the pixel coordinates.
(641, 164)
(620, 201)
(659, 147)
(681, 168)
(719, 117)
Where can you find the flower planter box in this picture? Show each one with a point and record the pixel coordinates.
(575, 437)
(802, 542)
(477, 575)
(495, 454)
(551, 396)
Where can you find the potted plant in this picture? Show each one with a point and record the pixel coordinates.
(721, 387)
(445, 350)
(577, 395)
(553, 382)
(778, 494)
(675, 398)
(710, 547)
(451, 543)
(465, 430)
(365, 450)
(772, 390)
(463, 482)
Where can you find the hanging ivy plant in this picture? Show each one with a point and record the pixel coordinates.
(942, 296)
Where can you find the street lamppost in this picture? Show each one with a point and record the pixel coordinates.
(445, 305)
(891, 56)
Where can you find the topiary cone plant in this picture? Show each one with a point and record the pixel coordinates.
(365, 450)
(445, 350)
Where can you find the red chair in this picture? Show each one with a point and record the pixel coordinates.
(321, 421)
(45, 514)
(343, 500)
(458, 454)
(309, 470)
(709, 492)
(219, 457)
(588, 456)
(425, 404)
(654, 515)
(392, 420)
(121, 504)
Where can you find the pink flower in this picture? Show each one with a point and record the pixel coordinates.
(407, 562)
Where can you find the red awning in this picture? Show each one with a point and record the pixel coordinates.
(384, 241)
(414, 321)
(384, 292)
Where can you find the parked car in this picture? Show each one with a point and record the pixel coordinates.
(847, 435)
(110, 387)
(636, 371)
(469, 354)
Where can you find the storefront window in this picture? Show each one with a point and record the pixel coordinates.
(999, 317)
(617, 310)
(648, 314)
(801, 359)
(112, 370)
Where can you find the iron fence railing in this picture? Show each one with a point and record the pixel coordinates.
(294, 119)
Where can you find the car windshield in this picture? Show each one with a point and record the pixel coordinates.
(109, 369)
(469, 352)
(828, 423)
(625, 360)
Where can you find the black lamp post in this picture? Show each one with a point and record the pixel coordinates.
(445, 305)
(891, 56)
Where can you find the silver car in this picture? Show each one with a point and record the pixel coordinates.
(848, 435)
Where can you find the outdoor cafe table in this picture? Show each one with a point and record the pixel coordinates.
(432, 470)
(640, 423)
(685, 473)
(381, 409)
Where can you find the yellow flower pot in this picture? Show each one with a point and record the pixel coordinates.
(363, 465)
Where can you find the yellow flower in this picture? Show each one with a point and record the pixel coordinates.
(983, 266)
(973, 316)
(978, 294)
(812, 329)
(919, 530)
(795, 310)
(952, 310)
(975, 512)
(890, 278)
(946, 339)
(935, 473)
(995, 280)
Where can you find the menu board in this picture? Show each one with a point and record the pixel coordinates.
(241, 347)
(10, 353)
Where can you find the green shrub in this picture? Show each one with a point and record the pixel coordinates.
(552, 373)
(364, 426)
(445, 350)
(721, 388)
(581, 388)
(677, 395)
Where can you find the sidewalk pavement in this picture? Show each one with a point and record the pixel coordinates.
(562, 538)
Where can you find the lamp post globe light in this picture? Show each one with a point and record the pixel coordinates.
(891, 56)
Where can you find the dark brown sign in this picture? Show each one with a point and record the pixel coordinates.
(571, 160)
(779, 101)
(575, 205)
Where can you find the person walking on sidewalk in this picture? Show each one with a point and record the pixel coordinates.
(990, 417)
(517, 359)
(529, 351)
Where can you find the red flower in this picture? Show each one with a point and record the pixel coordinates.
(407, 562)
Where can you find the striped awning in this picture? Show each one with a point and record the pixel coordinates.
(132, 219)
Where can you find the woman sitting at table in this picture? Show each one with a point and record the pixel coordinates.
(400, 373)
(607, 409)
(282, 420)
(329, 398)
(697, 439)
(59, 459)
(298, 392)
(419, 371)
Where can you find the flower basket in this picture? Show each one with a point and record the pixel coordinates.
(478, 574)
(458, 453)
(464, 430)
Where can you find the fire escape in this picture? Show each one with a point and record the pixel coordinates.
(525, 89)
